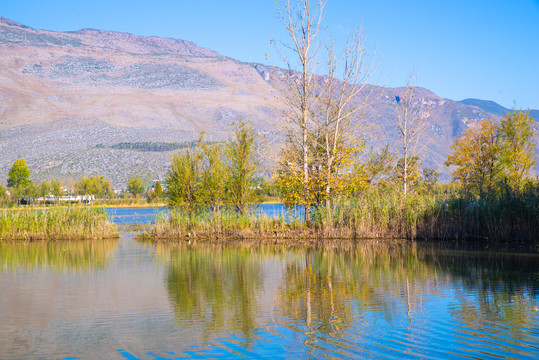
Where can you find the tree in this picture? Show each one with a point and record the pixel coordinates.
(303, 26)
(29, 191)
(517, 145)
(56, 188)
(96, 185)
(45, 189)
(158, 190)
(430, 178)
(214, 176)
(135, 186)
(337, 148)
(183, 179)
(493, 153)
(476, 155)
(411, 126)
(408, 168)
(18, 174)
(241, 164)
(319, 148)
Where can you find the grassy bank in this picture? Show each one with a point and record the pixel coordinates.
(225, 224)
(73, 223)
(378, 213)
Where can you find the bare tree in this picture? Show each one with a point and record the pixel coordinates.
(319, 108)
(303, 24)
(411, 125)
(340, 103)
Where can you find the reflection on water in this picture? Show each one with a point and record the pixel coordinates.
(128, 300)
(215, 287)
(373, 298)
(57, 255)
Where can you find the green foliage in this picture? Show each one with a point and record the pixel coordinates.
(156, 193)
(45, 189)
(3, 195)
(153, 146)
(199, 178)
(213, 177)
(96, 185)
(56, 188)
(240, 153)
(135, 186)
(430, 177)
(183, 179)
(18, 174)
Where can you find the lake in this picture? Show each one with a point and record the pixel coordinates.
(121, 299)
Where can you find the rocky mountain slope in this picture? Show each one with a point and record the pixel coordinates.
(67, 99)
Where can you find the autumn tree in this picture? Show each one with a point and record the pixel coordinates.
(303, 24)
(319, 147)
(492, 153)
(517, 146)
(45, 189)
(56, 188)
(338, 148)
(408, 171)
(155, 193)
(476, 157)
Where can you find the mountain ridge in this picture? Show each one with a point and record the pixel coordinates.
(64, 93)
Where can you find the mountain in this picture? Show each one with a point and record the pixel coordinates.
(495, 108)
(90, 101)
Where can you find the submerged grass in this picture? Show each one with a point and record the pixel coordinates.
(72, 223)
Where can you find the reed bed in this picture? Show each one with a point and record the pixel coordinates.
(223, 224)
(509, 215)
(502, 216)
(72, 223)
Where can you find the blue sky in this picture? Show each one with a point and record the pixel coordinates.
(458, 48)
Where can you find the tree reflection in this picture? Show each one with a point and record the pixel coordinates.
(214, 286)
(328, 290)
(57, 255)
(329, 293)
(497, 288)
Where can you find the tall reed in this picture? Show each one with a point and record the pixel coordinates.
(226, 223)
(380, 212)
(55, 224)
(384, 213)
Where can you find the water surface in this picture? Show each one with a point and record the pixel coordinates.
(120, 299)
